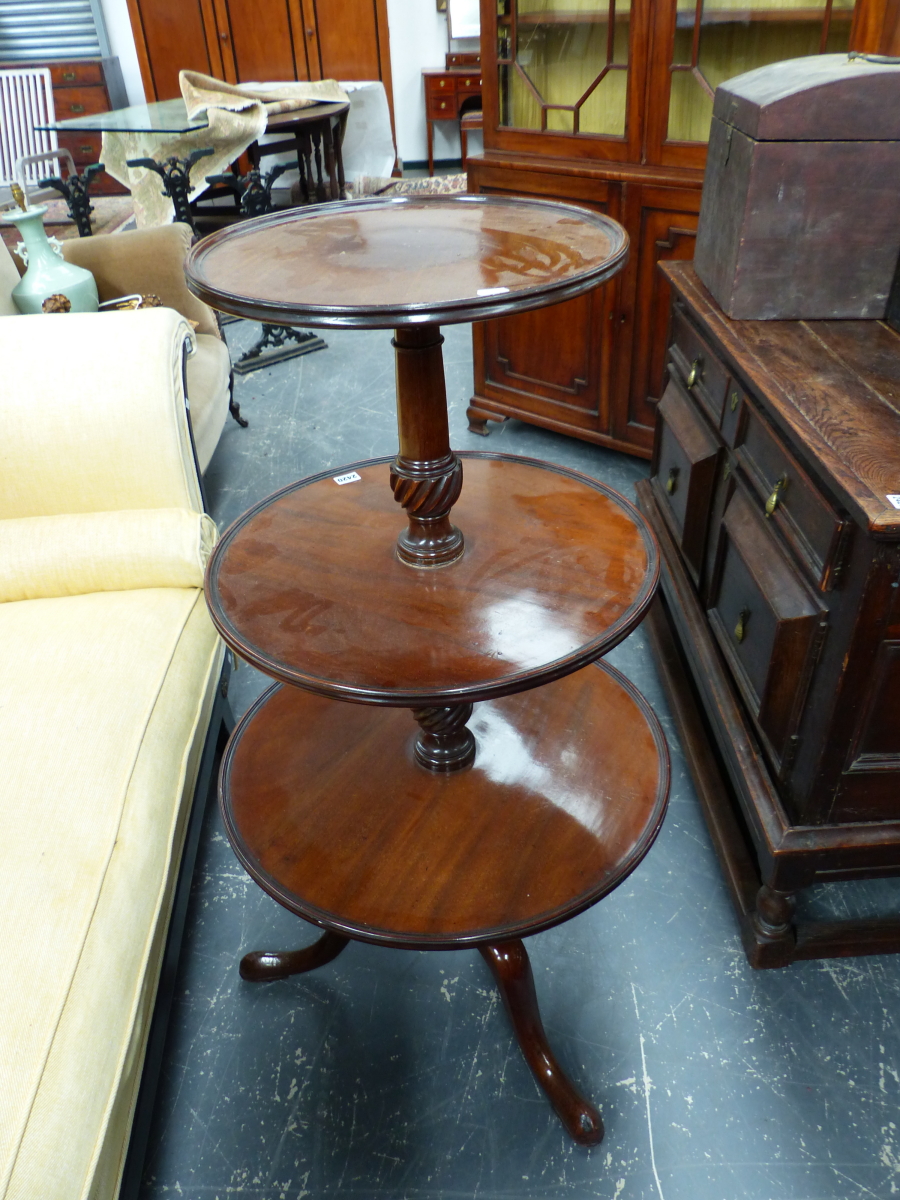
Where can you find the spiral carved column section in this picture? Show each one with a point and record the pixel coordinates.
(445, 744)
(426, 476)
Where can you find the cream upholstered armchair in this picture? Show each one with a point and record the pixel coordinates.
(109, 674)
(152, 261)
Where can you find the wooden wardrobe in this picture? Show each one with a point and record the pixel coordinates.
(247, 40)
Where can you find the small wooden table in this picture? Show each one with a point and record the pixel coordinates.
(461, 827)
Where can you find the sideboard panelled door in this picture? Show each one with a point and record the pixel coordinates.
(664, 225)
(556, 360)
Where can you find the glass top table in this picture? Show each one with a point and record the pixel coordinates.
(165, 116)
(170, 116)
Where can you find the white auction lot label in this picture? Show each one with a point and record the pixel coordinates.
(895, 500)
(350, 477)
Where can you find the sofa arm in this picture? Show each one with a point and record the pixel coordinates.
(93, 414)
(146, 261)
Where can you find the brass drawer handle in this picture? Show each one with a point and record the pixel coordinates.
(79, 108)
(86, 149)
(672, 481)
(68, 76)
(772, 502)
(695, 372)
(735, 400)
(740, 630)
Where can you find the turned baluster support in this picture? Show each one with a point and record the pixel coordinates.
(445, 744)
(773, 919)
(426, 476)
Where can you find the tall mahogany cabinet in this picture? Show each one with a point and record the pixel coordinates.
(246, 40)
(607, 104)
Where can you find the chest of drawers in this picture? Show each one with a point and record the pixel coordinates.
(83, 86)
(448, 94)
(776, 457)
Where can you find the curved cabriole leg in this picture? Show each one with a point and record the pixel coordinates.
(512, 971)
(261, 966)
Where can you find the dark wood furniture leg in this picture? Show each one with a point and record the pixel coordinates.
(478, 419)
(512, 971)
(262, 966)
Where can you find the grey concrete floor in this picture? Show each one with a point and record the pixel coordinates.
(393, 1074)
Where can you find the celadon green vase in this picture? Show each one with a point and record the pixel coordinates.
(48, 273)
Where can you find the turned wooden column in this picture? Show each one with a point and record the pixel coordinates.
(426, 476)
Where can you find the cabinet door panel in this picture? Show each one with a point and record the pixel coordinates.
(553, 364)
(175, 39)
(666, 229)
(348, 39)
(261, 39)
(546, 353)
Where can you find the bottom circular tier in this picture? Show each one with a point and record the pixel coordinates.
(330, 813)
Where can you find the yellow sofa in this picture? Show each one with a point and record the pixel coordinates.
(109, 668)
(150, 261)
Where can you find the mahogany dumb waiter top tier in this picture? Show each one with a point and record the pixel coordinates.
(429, 833)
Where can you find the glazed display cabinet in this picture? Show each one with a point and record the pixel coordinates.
(607, 104)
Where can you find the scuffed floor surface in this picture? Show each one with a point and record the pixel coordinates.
(393, 1075)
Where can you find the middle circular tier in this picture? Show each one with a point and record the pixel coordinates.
(307, 587)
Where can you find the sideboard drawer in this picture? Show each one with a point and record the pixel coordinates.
(684, 473)
(767, 622)
(732, 413)
(77, 101)
(76, 74)
(704, 375)
(790, 499)
(441, 107)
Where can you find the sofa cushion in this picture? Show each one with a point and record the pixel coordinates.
(103, 552)
(104, 700)
(116, 441)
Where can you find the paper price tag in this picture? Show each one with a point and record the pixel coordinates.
(350, 477)
(895, 500)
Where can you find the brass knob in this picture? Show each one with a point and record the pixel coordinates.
(223, 34)
(735, 400)
(695, 372)
(772, 502)
(442, 83)
(740, 630)
(672, 481)
(443, 104)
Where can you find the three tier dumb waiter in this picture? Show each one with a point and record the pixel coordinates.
(446, 827)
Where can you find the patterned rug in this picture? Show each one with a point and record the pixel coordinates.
(436, 185)
(111, 213)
